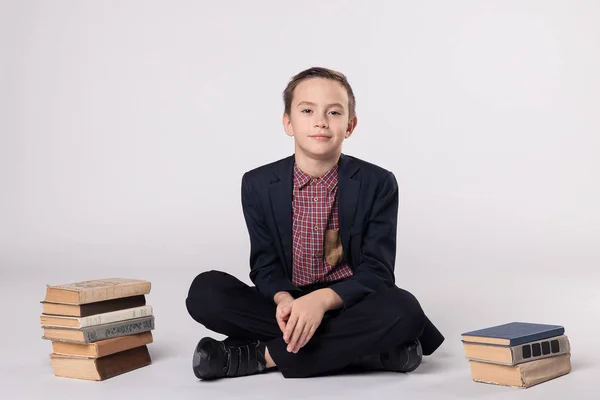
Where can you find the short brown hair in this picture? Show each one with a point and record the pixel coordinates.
(318, 72)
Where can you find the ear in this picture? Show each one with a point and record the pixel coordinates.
(287, 125)
(351, 125)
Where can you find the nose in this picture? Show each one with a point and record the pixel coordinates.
(321, 124)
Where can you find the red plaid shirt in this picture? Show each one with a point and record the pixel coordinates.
(314, 210)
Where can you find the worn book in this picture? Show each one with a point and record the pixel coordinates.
(103, 347)
(512, 355)
(93, 334)
(522, 375)
(96, 290)
(98, 319)
(513, 334)
(98, 369)
(85, 310)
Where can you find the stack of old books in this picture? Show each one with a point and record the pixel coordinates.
(99, 329)
(518, 354)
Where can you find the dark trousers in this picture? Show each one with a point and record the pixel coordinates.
(382, 320)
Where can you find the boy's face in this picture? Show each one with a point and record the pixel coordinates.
(319, 118)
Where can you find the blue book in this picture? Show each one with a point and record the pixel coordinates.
(513, 334)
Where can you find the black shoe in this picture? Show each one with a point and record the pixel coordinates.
(215, 359)
(403, 358)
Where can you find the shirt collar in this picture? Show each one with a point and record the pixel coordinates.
(329, 178)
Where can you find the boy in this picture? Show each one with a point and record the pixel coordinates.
(322, 229)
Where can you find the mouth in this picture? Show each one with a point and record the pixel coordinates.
(320, 137)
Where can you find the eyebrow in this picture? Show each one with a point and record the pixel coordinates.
(308, 103)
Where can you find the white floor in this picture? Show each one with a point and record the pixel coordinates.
(455, 305)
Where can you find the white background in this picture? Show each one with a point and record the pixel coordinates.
(125, 128)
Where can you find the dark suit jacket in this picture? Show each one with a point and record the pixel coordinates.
(368, 211)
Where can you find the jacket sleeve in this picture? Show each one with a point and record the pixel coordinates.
(378, 247)
(266, 270)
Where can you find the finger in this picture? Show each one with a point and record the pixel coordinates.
(291, 324)
(310, 334)
(281, 324)
(296, 336)
(282, 315)
(286, 311)
(303, 338)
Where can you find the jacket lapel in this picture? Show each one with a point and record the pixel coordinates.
(280, 194)
(348, 190)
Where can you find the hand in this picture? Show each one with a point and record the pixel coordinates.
(282, 314)
(306, 314)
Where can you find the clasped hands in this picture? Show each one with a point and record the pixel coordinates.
(299, 318)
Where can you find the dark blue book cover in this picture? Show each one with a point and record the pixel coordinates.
(514, 333)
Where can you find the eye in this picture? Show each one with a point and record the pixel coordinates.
(306, 111)
(336, 113)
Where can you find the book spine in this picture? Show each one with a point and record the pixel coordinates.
(126, 361)
(540, 349)
(540, 371)
(95, 294)
(117, 329)
(102, 307)
(537, 336)
(120, 344)
(115, 316)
